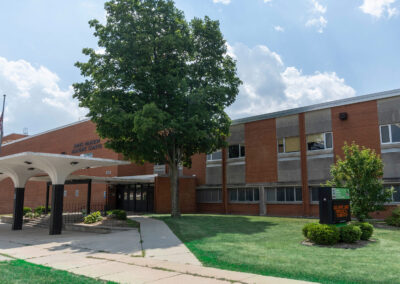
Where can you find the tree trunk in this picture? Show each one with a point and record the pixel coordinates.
(174, 181)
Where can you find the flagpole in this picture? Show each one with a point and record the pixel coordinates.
(2, 121)
(4, 102)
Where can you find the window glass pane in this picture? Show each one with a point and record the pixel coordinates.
(125, 195)
(256, 194)
(138, 194)
(270, 194)
(280, 146)
(144, 195)
(395, 132)
(328, 140)
(396, 194)
(217, 155)
(299, 194)
(249, 194)
(209, 157)
(280, 194)
(234, 151)
(314, 194)
(214, 195)
(131, 195)
(233, 194)
(289, 193)
(292, 144)
(385, 134)
(242, 151)
(315, 142)
(241, 194)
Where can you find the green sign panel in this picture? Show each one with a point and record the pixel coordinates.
(340, 193)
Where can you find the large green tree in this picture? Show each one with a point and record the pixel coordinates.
(158, 89)
(361, 171)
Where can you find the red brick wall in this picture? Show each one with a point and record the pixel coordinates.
(12, 137)
(284, 209)
(187, 195)
(244, 209)
(210, 208)
(261, 152)
(198, 168)
(361, 126)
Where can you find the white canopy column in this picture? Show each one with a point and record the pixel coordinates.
(20, 167)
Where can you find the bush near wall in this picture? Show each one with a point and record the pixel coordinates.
(117, 214)
(27, 210)
(93, 218)
(394, 220)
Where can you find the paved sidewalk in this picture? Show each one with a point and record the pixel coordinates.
(159, 242)
(110, 257)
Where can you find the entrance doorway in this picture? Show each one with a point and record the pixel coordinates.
(136, 197)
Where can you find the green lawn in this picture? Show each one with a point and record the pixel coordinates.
(271, 246)
(20, 271)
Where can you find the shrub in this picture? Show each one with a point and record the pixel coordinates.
(394, 220)
(307, 228)
(40, 210)
(350, 234)
(27, 210)
(367, 230)
(324, 234)
(117, 214)
(32, 215)
(93, 218)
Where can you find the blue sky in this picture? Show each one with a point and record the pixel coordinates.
(289, 53)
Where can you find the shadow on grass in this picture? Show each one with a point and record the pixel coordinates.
(194, 227)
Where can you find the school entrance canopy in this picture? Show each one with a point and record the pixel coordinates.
(23, 166)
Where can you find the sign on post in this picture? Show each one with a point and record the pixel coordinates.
(334, 205)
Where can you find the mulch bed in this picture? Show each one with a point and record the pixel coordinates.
(356, 245)
(110, 222)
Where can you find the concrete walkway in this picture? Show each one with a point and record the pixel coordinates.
(159, 242)
(115, 257)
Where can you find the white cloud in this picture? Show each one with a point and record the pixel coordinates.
(267, 1)
(378, 8)
(319, 23)
(317, 19)
(269, 85)
(225, 2)
(317, 7)
(279, 29)
(34, 98)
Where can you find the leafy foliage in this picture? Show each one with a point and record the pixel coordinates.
(40, 210)
(27, 210)
(361, 171)
(394, 220)
(367, 230)
(159, 90)
(93, 218)
(324, 234)
(350, 234)
(307, 228)
(117, 214)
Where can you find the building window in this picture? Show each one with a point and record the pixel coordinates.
(105, 194)
(390, 133)
(284, 194)
(215, 156)
(65, 193)
(76, 192)
(319, 141)
(236, 151)
(289, 144)
(314, 194)
(396, 191)
(209, 195)
(246, 194)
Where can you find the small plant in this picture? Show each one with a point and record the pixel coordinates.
(27, 210)
(367, 230)
(394, 220)
(32, 215)
(40, 210)
(307, 228)
(350, 234)
(117, 214)
(323, 234)
(93, 218)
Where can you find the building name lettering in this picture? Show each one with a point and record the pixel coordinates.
(89, 145)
